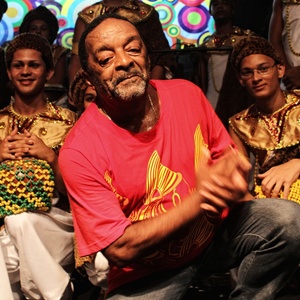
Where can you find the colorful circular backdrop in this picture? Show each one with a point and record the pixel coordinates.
(183, 21)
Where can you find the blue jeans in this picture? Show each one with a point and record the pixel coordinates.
(262, 237)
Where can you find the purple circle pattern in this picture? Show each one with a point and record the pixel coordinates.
(166, 14)
(185, 14)
(190, 18)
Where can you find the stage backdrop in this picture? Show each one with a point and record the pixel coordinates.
(183, 21)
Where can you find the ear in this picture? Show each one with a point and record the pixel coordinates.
(241, 81)
(280, 70)
(49, 74)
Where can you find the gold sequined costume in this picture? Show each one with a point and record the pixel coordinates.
(52, 125)
(274, 138)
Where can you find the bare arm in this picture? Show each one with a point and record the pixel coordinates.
(276, 28)
(215, 192)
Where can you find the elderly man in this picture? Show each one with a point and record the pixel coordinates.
(156, 185)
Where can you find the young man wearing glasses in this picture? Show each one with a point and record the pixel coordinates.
(270, 127)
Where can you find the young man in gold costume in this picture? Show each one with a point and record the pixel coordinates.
(270, 127)
(37, 236)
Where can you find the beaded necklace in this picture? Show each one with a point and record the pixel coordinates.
(24, 122)
(288, 28)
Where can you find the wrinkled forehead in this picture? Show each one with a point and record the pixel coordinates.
(111, 29)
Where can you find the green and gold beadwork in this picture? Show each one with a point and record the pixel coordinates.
(25, 185)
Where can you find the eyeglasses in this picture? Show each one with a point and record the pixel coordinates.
(263, 71)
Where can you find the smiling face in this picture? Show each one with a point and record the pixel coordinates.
(117, 63)
(28, 72)
(261, 86)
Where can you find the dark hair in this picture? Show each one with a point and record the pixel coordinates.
(83, 55)
(3, 7)
(41, 13)
(30, 41)
(232, 3)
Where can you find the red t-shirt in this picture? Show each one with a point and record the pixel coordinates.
(115, 177)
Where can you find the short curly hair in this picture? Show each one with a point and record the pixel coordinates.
(253, 45)
(30, 41)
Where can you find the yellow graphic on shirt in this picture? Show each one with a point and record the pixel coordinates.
(199, 144)
(162, 182)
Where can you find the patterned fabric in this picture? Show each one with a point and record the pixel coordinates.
(253, 45)
(134, 11)
(52, 125)
(77, 88)
(294, 194)
(30, 41)
(25, 185)
(228, 40)
(274, 139)
(270, 132)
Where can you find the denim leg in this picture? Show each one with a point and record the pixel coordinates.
(262, 237)
(168, 285)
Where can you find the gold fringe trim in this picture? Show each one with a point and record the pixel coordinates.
(80, 260)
